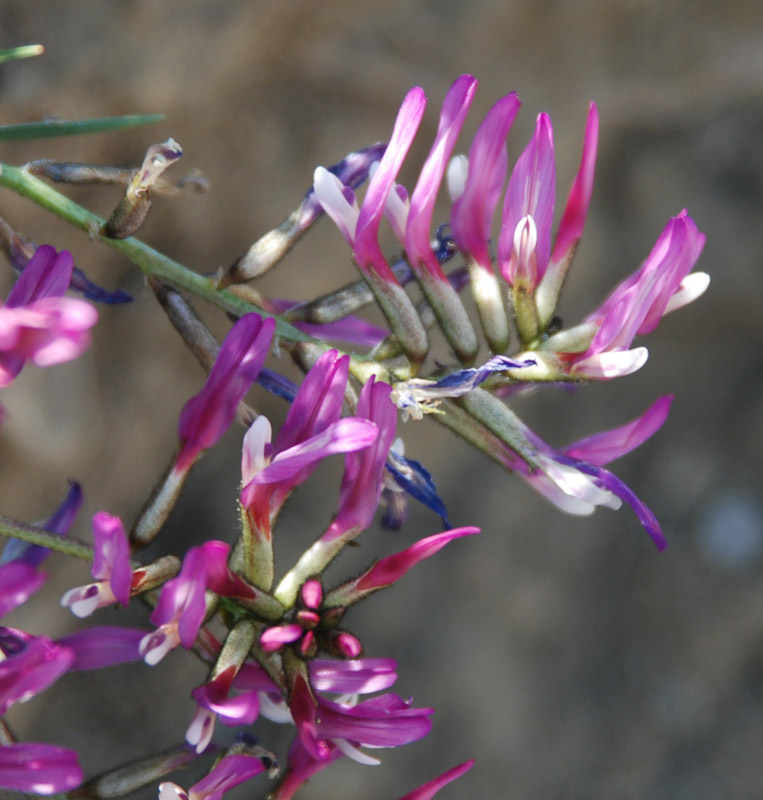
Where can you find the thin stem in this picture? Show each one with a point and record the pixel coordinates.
(53, 541)
(150, 261)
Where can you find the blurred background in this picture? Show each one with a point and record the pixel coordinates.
(564, 654)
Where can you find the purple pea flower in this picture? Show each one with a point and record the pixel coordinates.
(364, 469)
(39, 324)
(524, 244)
(38, 768)
(383, 721)
(111, 569)
(573, 478)
(212, 701)
(226, 774)
(635, 307)
(441, 295)
(360, 227)
(182, 607)
(475, 186)
(312, 430)
(29, 665)
(206, 416)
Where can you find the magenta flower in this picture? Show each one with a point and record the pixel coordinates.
(383, 721)
(213, 700)
(360, 227)
(475, 186)
(364, 468)
(206, 416)
(226, 774)
(38, 768)
(28, 665)
(182, 607)
(312, 430)
(37, 323)
(111, 569)
(573, 478)
(635, 307)
(441, 295)
(524, 244)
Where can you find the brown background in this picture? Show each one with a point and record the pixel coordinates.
(564, 654)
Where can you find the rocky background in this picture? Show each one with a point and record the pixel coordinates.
(565, 654)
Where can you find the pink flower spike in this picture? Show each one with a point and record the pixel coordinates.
(417, 238)
(206, 416)
(429, 790)
(472, 212)
(601, 448)
(576, 210)
(388, 570)
(524, 243)
(38, 768)
(368, 254)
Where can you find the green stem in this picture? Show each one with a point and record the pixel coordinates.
(53, 541)
(150, 261)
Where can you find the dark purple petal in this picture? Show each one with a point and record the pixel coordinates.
(416, 480)
(59, 522)
(46, 275)
(613, 484)
(278, 385)
(91, 291)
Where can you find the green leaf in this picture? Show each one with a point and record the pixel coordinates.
(56, 127)
(25, 51)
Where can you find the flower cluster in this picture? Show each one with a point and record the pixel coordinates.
(277, 644)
